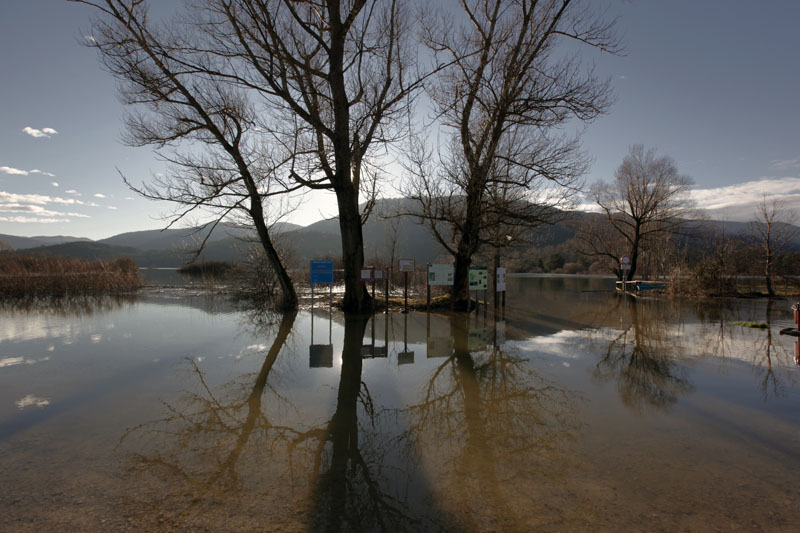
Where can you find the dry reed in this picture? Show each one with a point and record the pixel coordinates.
(27, 275)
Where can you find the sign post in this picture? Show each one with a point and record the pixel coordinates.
(624, 264)
(321, 272)
(500, 281)
(439, 275)
(406, 266)
(378, 274)
(368, 274)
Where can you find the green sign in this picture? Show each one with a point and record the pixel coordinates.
(478, 278)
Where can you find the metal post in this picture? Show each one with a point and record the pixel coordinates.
(429, 297)
(405, 291)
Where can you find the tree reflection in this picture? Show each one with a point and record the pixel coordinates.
(642, 359)
(222, 452)
(494, 433)
(771, 360)
(354, 489)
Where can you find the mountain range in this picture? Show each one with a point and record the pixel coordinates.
(171, 248)
(384, 230)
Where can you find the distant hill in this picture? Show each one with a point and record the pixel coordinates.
(411, 239)
(22, 243)
(174, 247)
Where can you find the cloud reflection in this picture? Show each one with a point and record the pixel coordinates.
(32, 401)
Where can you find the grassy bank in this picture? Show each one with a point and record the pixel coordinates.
(26, 275)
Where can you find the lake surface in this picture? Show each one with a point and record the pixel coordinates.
(575, 409)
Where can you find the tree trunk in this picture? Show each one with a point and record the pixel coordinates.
(466, 249)
(288, 300)
(356, 297)
(768, 277)
(460, 291)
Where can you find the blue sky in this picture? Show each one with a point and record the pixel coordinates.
(711, 83)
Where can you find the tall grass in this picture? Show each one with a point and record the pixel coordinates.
(28, 275)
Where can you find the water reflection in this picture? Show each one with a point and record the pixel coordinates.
(493, 432)
(485, 425)
(644, 358)
(419, 422)
(65, 306)
(354, 490)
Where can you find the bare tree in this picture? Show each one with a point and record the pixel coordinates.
(234, 170)
(501, 102)
(647, 199)
(772, 229)
(341, 76)
(327, 83)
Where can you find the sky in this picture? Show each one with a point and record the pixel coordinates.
(711, 83)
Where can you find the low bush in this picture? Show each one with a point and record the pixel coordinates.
(207, 269)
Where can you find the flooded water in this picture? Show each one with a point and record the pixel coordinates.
(575, 409)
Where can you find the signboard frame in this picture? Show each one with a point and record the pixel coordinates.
(320, 272)
(441, 275)
(501, 279)
(478, 278)
(406, 265)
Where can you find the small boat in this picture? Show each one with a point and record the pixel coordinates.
(640, 285)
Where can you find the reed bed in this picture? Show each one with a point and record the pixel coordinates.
(29, 275)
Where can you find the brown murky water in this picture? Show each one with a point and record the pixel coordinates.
(576, 409)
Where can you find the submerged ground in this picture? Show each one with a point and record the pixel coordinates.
(575, 409)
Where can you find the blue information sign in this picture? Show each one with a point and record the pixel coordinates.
(321, 272)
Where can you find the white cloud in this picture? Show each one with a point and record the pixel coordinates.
(40, 199)
(44, 132)
(739, 201)
(785, 164)
(30, 220)
(72, 191)
(54, 183)
(36, 210)
(33, 208)
(11, 361)
(99, 195)
(113, 208)
(20, 172)
(16, 171)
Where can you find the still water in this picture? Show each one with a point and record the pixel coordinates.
(575, 409)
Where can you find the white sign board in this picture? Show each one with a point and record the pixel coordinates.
(406, 265)
(440, 274)
(501, 279)
(625, 262)
(378, 273)
(366, 274)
